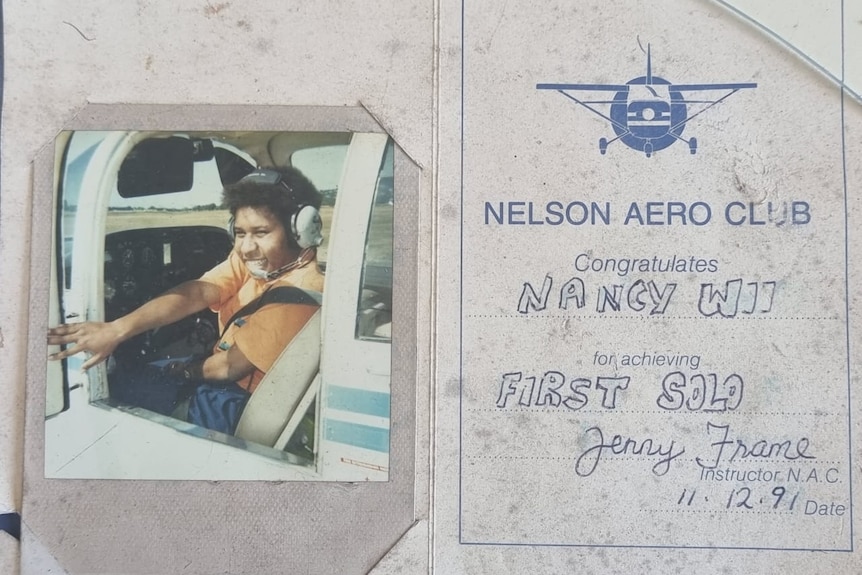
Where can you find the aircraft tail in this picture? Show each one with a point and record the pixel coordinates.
(648, 65)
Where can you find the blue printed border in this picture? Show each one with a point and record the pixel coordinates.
(844, 92)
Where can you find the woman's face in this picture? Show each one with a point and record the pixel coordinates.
(261, 240)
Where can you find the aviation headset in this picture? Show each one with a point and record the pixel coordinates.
(305, 223)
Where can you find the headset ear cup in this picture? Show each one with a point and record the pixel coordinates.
(306, 227)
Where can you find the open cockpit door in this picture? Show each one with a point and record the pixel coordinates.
(74, 254)
(57, 392)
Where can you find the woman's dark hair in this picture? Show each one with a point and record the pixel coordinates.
(283, 198)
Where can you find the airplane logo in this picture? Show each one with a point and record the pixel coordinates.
(647, 113)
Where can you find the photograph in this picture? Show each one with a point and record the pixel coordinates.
(220, 306)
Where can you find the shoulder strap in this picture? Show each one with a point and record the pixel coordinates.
(280, 294)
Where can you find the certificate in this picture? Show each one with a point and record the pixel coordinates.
(654, 311)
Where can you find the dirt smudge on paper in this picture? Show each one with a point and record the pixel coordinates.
(215, 9)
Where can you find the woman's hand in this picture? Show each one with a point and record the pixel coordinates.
(100, 339)
(96, 339)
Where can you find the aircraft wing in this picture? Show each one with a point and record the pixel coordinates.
(564, 89)
(585, 87)
(695, 87)
(729, 88)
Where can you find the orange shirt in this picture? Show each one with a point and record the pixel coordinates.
(263, 335)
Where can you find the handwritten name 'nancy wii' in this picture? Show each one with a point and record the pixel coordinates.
(725, 448)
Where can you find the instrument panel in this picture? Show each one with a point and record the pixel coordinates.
(144, 263)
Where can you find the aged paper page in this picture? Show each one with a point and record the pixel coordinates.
(647, 356)
(645, 337)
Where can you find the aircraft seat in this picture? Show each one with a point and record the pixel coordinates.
(281, 390)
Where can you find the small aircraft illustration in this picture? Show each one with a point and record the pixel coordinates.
(647, 113)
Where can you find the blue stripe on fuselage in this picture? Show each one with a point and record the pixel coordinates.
(358, 400)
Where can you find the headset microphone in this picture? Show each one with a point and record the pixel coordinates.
(305, 256)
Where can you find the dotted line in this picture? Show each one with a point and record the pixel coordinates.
(716, 511)
(643, 317)
(667, 412)
(641, 459)
(534, 457)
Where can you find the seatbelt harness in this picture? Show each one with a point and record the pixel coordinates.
(280, 294)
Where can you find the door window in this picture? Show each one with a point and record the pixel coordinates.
(374, 312)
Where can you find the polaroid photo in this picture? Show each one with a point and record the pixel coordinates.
(323, 205)
(181, 241)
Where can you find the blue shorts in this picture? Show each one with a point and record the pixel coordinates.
(212, 405)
